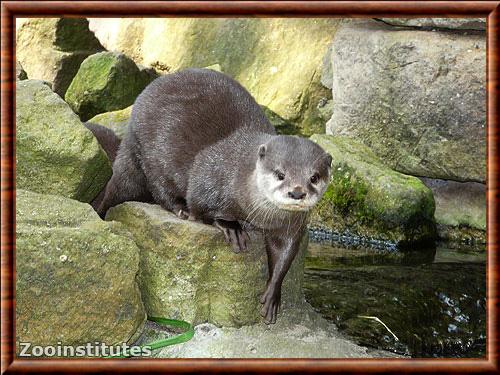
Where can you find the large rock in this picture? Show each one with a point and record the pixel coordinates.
(278, 60)
(105, 82)
(188, 272)
(75, 275)
(298, 333)
(52, 49)
(55, 153)
(417, 98)
(439, 23)
(368, 199)
(460, 209)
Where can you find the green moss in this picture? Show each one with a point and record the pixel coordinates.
(281, 125)
(73, 34)
(105, 82)
(55, 153)
(115, 120)
(368, 199)
(75, 274)
(187, 270)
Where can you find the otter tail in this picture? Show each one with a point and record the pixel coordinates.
(110, 143)
(107, 139)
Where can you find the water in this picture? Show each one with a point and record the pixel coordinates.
(429, 302)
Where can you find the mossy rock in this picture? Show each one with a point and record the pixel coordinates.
(55, 153)
(115, 120)
(188, 271)
(418, 100)
(105, 82)
(75, 275)
(368, 199)
(279, 60)
(52, 49)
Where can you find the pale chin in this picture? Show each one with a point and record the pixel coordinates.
(290, 205)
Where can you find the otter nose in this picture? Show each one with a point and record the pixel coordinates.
(297, 193)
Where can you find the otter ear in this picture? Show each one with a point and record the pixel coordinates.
(327, 159)
(262, 151)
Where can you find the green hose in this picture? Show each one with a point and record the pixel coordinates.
(183, 337)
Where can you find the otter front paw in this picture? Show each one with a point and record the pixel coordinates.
(271, 299)
(234, 234)
(182, 214)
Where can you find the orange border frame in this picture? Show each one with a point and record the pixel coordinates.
(12, 9)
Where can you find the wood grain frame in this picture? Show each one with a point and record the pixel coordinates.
(12, 9)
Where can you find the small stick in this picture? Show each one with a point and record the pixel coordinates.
(381, 322)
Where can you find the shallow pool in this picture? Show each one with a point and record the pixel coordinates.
(428, 302)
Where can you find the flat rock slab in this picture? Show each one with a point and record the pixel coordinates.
(368, 199)
(188, 272)
(416, 98)
(55, 153)
(75, 275)
(298, 333)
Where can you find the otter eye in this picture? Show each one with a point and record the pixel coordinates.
(314, 179)
(279, 175)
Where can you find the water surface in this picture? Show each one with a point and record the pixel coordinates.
(428, 302)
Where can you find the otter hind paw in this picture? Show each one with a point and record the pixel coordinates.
(234, 234)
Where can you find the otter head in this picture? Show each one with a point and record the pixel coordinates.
(292, 172)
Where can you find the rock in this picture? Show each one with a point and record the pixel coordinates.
(215, 67)
(116, 120)
(326, 71)
(439, 23)
(75, 275)
(188, 272)
(325, 109)
(20, 72)
(297, 334)
(52, 49)
(460, 209)
(368, 199)
(418, 100)
(55, 153)
(251, 50)
(148, 73)
(105, 82)
(281, 125)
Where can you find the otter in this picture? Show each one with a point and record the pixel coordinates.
(106, 138)
(200, 146)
